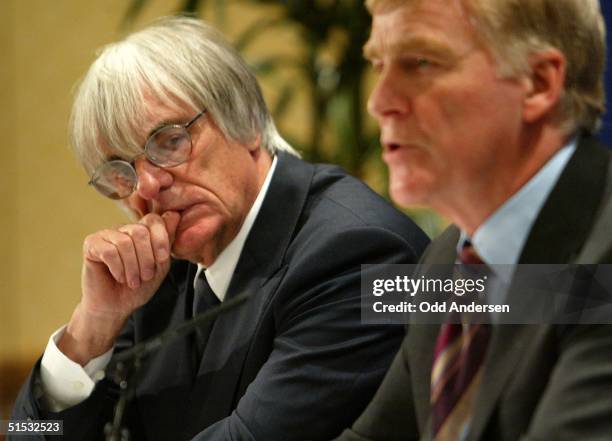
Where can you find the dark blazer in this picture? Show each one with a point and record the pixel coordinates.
(540, 382)
(294, 362)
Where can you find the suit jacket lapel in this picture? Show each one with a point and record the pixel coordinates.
(421, 339)
(258, 271)
(567, 217)
(171, 305)
(558, 234)
(273, 229)
(595, 250)
(443, 250)
(167, 375)
(508, 343)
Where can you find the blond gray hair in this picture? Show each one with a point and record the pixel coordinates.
(178, 61)
(512, 30)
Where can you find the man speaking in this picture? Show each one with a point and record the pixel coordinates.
(487, 110)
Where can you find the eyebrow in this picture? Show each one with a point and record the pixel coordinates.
(427, 46)
(161, 125)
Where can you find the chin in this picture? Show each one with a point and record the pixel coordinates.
(183, 253)
(199, 242)
(411, 186)
(189, 245)
(407, 194)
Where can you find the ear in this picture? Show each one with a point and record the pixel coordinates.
(544, 84)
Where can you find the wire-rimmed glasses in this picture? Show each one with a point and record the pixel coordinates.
(167, 147)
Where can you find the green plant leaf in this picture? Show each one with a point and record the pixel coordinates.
(253, 31)
(133, 11)
(271, 65)
(191, 7)
(283, 101)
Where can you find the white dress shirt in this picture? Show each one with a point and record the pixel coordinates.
(66, 383)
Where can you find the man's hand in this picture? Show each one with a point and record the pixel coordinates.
(122, 269)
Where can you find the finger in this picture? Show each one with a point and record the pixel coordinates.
(127, 252)
(159, 237)
(96, 249)
(171, 220)
(141, 239)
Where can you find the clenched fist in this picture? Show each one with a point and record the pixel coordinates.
(122, 269)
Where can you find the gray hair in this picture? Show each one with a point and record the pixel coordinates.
(179, 61)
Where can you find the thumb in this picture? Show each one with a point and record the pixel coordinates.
(171, 219)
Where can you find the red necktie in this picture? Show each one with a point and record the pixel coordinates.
(456, 371)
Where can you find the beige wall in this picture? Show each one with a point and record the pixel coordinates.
(47, 207)
(7, 177)
(53, 44)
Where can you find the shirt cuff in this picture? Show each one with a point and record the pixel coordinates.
(64, 382)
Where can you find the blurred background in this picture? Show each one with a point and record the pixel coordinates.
(307, 55)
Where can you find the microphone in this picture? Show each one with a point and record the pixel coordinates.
(123, 367)
(144, 348)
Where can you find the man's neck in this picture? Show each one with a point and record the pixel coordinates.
(469, 206)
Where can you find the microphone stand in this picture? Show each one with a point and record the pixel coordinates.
(124, 366)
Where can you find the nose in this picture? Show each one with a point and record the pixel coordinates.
(389, 96)
(151, 179)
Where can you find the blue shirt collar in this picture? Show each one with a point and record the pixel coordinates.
(501, 237)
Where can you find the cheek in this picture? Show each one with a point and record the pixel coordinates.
(459, 104)
(440, 111)
(457, 114)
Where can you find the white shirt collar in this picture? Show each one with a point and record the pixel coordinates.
(501, 237)
(219, 274)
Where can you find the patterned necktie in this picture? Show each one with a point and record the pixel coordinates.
(203, 299)
(459, 354)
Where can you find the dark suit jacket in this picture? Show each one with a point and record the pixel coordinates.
(294, 362)
(540, 382)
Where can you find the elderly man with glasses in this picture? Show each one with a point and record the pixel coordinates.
(173, 123)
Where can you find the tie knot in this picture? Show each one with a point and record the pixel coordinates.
(468, 255)
(204, 296)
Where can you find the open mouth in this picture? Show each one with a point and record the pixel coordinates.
(390, 147)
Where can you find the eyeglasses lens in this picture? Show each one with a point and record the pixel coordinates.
(116, 179)
(169, 147)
